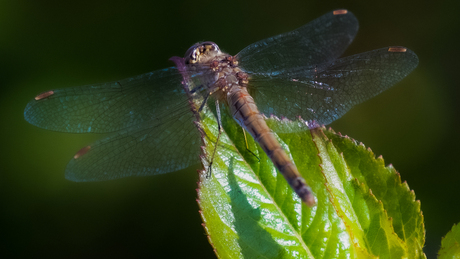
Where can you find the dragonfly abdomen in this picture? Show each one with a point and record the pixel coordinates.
(246, 113)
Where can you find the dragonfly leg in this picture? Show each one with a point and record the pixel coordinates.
(204, 102)
(196, 89)
(219, 124)
(247, 147)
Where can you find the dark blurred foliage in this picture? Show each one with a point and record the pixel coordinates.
(55, 44)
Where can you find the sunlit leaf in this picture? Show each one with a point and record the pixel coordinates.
(363, 210)
(450, 245)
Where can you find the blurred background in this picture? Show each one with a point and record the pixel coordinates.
(55, 44)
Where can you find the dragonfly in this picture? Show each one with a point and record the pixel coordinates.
(153, 116)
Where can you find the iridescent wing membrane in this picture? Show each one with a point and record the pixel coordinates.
(150, 115)
(298, 73)
(292, 74)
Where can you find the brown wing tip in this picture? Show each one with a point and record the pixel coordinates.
(340, 11)
(397, 49)
(44, 95)
(81, 152)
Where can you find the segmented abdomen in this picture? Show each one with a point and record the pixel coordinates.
(245, 112)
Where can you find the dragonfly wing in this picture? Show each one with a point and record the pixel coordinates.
(107, 107)
(147, 149)
(150, 113)
(326, 92)
(320, 41)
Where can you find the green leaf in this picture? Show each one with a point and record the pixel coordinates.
(249, 211)
(450, 244)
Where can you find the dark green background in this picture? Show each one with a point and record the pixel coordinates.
(55, 44)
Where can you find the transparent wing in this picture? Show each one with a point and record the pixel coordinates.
(320, 41)
(150, 149)
(108, 107)
(325, 92)
(150, 113)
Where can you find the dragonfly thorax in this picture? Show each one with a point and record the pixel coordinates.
(224, 69)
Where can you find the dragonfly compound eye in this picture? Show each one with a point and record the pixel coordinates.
(201, 52)
(209, 46)
(191, 54)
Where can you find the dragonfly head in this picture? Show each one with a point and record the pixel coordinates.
(202, 52)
